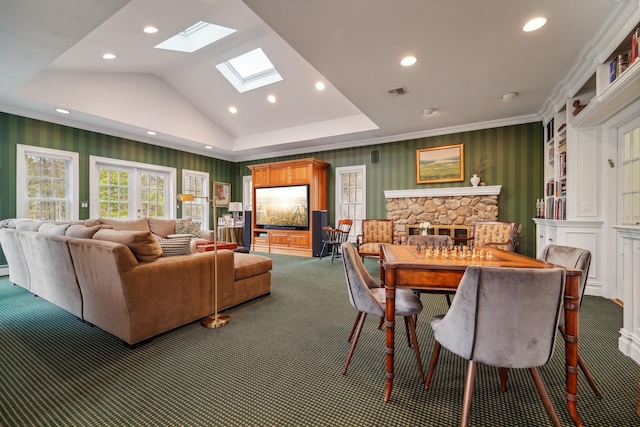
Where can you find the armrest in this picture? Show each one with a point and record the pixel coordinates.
(208, 234)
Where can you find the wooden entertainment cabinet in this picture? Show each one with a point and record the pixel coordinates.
(280, 174)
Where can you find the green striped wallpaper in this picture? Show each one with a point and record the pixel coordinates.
(517, 150)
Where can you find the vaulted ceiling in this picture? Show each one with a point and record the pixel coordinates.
(469, 54)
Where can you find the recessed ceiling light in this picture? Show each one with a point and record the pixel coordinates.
(208, 147)
(320, 86)
(150, 30)
(233, 110)
(150, 132)
(108, 56)
(509, 95)
(534, 24)
(271, 99)
(62, 111)
(428, 111)
(408, 60)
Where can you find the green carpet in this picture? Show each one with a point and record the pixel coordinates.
(278, 363)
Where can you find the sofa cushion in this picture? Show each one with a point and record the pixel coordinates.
(126, 224)
(82, 232)
(249, 265)
(142, 243)
(53, 228)
(28, 225)
(187, 226)
(180, 245)
(162, 227)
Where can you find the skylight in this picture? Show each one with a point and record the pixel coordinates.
(195, 37)
(249, 71)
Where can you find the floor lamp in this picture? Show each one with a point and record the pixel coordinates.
(215, 320)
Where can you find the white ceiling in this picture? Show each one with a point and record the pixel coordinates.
(469, 54)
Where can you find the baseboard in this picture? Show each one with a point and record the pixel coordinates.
(4, 270)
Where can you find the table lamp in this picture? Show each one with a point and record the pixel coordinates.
(235, 207)
(214, 320)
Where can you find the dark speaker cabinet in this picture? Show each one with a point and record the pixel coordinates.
(318, 220)
(247, 229)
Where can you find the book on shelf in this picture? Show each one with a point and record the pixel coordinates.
(548, 213)
(561, 128)
(562, 164)
(551, 154)
(550, 188)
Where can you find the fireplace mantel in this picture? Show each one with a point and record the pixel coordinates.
(484, 190)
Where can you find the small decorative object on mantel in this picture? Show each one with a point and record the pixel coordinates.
(577, 107)
(481, 166)
(424, 227)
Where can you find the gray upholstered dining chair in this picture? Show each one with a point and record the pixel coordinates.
(503, 317)
(432, 240)
(579, 259)
(368, 299)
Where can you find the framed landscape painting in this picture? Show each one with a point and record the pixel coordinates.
(222, 193)
(440, 164)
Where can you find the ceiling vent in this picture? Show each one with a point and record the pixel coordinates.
(397, 92)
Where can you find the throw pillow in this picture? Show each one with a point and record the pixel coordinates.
(175, 246)
(186, 226)
(141, 243)
(161, 227)
(52, 228)
(82, 232)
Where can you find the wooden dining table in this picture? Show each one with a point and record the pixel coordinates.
(404, 266)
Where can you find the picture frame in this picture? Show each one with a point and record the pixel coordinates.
(222, 221)
(440, 164)
(221, 194)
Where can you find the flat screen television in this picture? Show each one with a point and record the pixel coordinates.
(285, 208)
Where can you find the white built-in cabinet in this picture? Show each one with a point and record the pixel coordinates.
(593, 184)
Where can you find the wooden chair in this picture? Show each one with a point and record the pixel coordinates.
(499, 234)
(374, 233)
(503, 317)
(336, 237)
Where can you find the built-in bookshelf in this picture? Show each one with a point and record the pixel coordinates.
(556, 169)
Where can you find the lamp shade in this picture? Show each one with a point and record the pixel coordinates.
(186, 197)
(235, 206)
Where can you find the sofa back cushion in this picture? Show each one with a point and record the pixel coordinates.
(82, 232)
(144, 246)
(126, 224)
(28, 225)
(162, 227)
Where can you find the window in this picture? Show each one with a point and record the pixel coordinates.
(630, 167)
(351, 197)
(196, 183)
(46, 183)
(122, 189)
(249, 71)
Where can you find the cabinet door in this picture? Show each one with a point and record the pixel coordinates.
(278, 175)
(299, 174)
(278, 238)
(260, 176)
(299, 240)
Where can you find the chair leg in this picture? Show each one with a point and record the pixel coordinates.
(448, 297)
(504, 375)
(353, 344)
(468, 393)
(381, 323)
(416, 349)
(324, 246)
(542, 391)
(407, 331)
(353, 328)
(590, 379)
(432, 365)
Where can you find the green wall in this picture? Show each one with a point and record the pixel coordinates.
(517, 151)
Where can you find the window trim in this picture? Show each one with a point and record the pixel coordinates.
(207, 192)
(21, 177)
(338, 193)
(94, 180)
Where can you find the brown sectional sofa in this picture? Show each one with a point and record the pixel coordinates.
(114, 281)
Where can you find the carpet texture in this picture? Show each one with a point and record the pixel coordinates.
(278, 363)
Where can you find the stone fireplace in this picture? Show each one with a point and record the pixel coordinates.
(440, 206)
